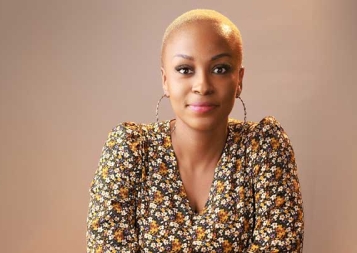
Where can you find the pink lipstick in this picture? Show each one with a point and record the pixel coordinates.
(201, 107)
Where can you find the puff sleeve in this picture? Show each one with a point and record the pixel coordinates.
(279, 224)
(111, 221)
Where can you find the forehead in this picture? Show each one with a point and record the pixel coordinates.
(202, 37)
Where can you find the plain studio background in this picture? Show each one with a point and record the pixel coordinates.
(71, 70)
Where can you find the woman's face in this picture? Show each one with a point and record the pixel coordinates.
(202, 75)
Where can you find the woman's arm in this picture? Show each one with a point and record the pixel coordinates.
(279, 225)
(111, 222)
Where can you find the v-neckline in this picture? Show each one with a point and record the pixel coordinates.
(177, 173)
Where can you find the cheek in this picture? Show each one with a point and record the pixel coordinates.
(229, 90)
(177, 87)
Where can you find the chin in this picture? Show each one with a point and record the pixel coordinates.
(206, 124)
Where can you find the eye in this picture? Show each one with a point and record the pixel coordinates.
(221, 69)
(185, 70)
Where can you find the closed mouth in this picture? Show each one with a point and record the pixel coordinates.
(202, 107)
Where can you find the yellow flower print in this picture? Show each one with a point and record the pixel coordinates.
(105, 172)
(274, 143)
(135, 146)
(300, 215)
(220, 187)
(110, 143)
(119, 235)
(167, 142)
(117, 207)
(279, 201)
(258, 222)
(179, 218)
(280, 231)
(238, 164)
(176, 246)
(256, 168)
(163, 170)
(227, 246)
(257, 196)
(95, 224)
(278, 173)
(222, 215)
(182, 194)
(296, 185)
(255, 145)
(154, 227)
(246, 225)
(158, 197)
(123, 192)
(99, 250)
(254, 247)
(200, 232)
(241, 192)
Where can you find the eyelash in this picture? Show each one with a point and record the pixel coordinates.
(187, 70)
(184, 68)
(222, 66)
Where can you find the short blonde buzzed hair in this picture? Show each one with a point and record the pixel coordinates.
(203, 15)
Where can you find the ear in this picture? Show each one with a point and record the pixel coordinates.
(240, 82)
(164, 82)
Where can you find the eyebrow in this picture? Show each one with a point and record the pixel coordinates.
(220, 56)
(212, 59)
(184, 56)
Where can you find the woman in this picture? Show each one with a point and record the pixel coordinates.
(201, 182)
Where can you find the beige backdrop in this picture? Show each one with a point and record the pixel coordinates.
(70, 70)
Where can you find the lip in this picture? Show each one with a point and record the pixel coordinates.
(202, 107)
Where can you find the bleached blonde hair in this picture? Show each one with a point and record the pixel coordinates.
(203, 15)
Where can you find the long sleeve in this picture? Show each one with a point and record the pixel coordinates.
(111, 222)
(279, 224)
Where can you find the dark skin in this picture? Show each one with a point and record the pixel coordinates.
(202, 75)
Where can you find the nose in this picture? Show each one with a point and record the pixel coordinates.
(202, 84)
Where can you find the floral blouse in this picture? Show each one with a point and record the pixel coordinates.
(138, 202)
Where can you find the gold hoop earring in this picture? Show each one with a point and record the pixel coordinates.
(245, 110)
(157, 111)
(157, 107)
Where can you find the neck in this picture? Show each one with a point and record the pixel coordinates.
(196, 148)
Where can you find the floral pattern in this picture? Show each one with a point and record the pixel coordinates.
(138, 202)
